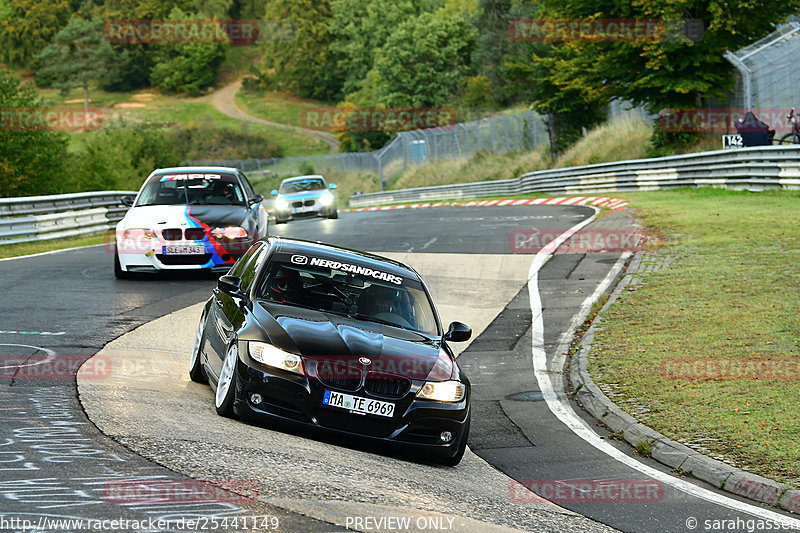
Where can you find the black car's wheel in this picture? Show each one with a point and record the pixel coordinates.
(462, 447)
(196, 371)
(226, 387)
(118, 272)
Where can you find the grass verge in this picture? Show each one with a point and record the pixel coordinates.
(730, 295)
(28, 248)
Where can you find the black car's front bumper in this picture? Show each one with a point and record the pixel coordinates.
(297, 399)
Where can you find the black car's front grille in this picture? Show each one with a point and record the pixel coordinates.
(195, 234)
(191, 259)
(369, 425)
(342, 382)
(347, 378)
(172, 234)
(387, 385)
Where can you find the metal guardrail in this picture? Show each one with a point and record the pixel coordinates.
(759, 168)
(38, 218)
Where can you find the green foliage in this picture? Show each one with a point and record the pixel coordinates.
(32, 161)
(79, 53)
(138, 149)
(28, 26)
(186, 67)
(206, 142)
(424, 60)
(360, 28)
(303, 63)
(670, 71)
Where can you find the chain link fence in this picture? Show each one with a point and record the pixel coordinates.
(769, 70)
(497, 134)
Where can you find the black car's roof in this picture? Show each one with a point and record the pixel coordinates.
(344, 255)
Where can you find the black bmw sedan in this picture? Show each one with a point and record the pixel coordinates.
(335, 339)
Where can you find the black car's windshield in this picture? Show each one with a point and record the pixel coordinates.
(351, 290)
(193, 188)
(310, 184)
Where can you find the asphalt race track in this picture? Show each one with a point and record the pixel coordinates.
(55, 462)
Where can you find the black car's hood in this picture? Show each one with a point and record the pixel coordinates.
(317, 335)
(219, 215)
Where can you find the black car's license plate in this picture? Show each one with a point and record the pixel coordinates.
(358, 404)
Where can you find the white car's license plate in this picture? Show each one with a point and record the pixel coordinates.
(358, 404)
(184, 250)
(303, 209)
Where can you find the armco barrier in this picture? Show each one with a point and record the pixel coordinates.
(767, 167)
(38, 218)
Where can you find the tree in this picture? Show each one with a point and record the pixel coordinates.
(670, 70)
(360, 28)
(32, 160)
(303, 63)
(187, 67)
(425, 60)
(28, 26)
(78, 54)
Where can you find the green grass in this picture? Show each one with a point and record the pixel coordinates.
(151, 106)
(280, 107)
(731, 292)
(28, 248)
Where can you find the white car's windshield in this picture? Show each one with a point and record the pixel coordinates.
(192, 189)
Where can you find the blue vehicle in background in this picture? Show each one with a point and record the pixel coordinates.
(304, 196)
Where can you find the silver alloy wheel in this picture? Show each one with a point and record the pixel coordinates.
(196, 349)
(226, 374)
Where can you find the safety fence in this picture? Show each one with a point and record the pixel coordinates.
(497, 134)
(38, 218)
(766, 167)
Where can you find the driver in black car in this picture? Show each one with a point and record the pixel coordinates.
(285, 286)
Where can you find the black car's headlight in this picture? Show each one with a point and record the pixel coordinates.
(442, 391)
(269, 355)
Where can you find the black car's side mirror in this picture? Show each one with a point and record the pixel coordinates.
(257, 198)
(127, 200)
(458, 332)
(232, 286)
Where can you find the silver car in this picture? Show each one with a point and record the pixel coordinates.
(304, 196)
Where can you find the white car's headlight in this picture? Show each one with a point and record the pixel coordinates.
(281, 204)
(271, 356)
(326, 199)
(139, 233)
(231, 232)
(442, 391)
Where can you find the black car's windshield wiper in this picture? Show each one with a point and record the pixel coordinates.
(370, 318)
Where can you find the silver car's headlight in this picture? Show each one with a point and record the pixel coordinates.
(442, 391)
(271, 356)
(326, 199)
(281, 204)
